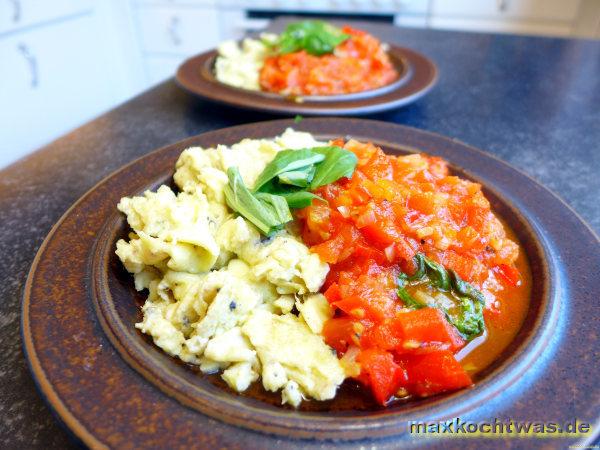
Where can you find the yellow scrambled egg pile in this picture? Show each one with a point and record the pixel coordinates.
(240, 65)
(221, 295)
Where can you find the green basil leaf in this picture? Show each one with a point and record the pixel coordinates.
(300, 178)
(408, 300)
(338, 163)
(469, 321)
(296, 197)
(437, 274)
(300, 199)
(465, 289)
(287, 161)
(242, 201)
(314, 36)
(466, 314)
(420, 273)
(278, 205)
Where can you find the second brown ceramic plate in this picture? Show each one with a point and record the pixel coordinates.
(113, 388)
(417, 75)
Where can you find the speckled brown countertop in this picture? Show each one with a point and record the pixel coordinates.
(531, 101)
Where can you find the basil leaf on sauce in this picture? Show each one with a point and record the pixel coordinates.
(287, 161)
(438, 276)
(338, 163)
(314, 36)
(469, 319)
(465, 312)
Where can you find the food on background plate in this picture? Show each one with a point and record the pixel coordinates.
(304, 263)
(309, 58)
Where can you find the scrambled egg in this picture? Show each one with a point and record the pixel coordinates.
(222, 296)
(240, 66)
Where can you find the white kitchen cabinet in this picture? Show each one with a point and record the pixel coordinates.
(16, 14)
(544, 28)
(52, 80)
(64, 61)
(178, 29)
(159, 68)
(541, 17)
(562, 10)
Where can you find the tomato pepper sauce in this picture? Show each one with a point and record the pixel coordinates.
(358, 64)
(369, 230)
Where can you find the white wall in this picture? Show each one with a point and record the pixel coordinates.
(63, 62)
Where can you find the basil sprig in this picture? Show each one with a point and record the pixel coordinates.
(267, 212)
(286, 162)
(466, 315)
(286, 183)
(294, 173)
(314, 36)
(338, 163)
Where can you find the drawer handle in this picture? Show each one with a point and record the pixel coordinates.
(33, 65)
(16, 10)
(173, 30)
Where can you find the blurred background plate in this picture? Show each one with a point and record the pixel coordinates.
(417, 75)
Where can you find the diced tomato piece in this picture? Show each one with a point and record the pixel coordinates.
(379, 167)
(364, 253)
(382, 373)
(438, 167)
(381, 233)
(369, 299)
(333, 294)
(508, 274)
(331, 250)
(467, 267)
(433, 373)
(507, 254)
(428, 325)
(339, 142)
(338, 333)
(422, 202)
(364, 151)
(404, 249)
(386, 335)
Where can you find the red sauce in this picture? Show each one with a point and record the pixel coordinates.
(358, 64)
(369, 230)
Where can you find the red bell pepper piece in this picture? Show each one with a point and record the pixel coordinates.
(429, 326)
(432, 373)
(381, 373)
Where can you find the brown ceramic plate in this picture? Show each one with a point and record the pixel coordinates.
(111, 387)
(416, 76)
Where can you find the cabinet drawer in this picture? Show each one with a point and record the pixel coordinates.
(178, 30)
(563, 10)
(15, 14)
(51, 81)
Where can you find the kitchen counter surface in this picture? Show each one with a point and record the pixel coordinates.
(533, 102)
